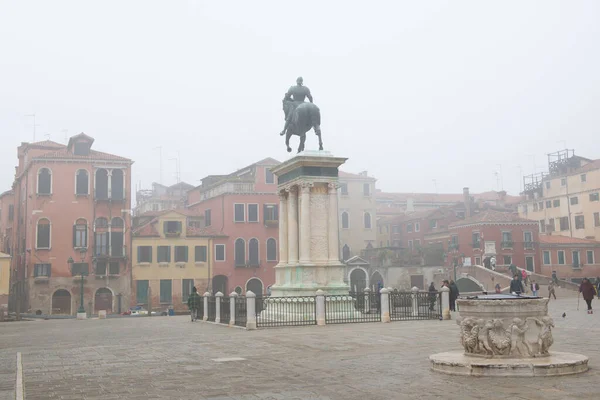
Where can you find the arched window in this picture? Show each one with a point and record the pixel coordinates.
(253, 252)
(101, 184)
(43, 234)
(240, 253)
(117, 222)
(82, 182)
(367, 217)
(116, 185)
(101, 222)
(44, 181)
(80, 233)
(345, 252)
(271, 249)
(345, 222)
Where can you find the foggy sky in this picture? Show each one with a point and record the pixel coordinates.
(410, 91)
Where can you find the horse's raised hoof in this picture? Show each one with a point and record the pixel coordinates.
(289, 149)
(282, 133)
(320, 147)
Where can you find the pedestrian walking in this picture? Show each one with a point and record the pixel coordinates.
(515, 285)
(588, 291)
(454, 293)
(194, 303)
(551, 291)
(498, 288)
(432, 296)
(534, 288)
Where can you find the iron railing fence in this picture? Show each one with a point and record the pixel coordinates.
(225, 310)
(241, 315)
(212, 308)
(353, 308)
(415, 305)
(286, 311)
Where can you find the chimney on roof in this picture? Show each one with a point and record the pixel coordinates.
(410, 205)
(467, 201)
(502, 198)
(363, 173)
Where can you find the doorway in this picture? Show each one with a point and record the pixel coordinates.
(529, 264)
(61, 302)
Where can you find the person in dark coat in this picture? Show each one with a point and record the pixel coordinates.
(598, 286)
(193, 303)
(588, 291)
(432, 296)
(515, 285)
(453, 295)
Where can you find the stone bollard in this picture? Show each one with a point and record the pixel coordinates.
(320, 307)
(205, 317)
(385, 305)
(218, 299)
(367, 301)
(101, 314)
(415, 302)
(250, 310)
(445, 302)
(232, 297)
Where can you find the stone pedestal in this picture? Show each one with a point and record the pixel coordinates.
(308, 227)
(505, 335)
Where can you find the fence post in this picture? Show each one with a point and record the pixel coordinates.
(415, 303)
(149, 294)
(218, 299)
(321, 308)
(205, 301)
(250, 310)
(232, 297)
(385, 305)
(367, 301)
(445, 302)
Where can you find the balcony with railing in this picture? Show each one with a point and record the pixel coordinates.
(453, 247)
(247, 264)
(507, 244)
(228, 187)
(528, 245)
(110, 252)
(476, 244)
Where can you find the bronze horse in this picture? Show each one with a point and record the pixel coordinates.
(305, 116)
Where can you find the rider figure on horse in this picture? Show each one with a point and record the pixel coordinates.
(295, 94)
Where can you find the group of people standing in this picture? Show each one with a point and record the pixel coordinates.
(454, 293)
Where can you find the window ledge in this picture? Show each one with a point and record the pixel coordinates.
(41, 279)
(82, 195)
(43, 248)
(180, 264)
(144, 264)
(163, 264)
(44, 194)
(200, 263)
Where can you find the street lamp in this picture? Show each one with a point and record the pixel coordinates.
(82, 253)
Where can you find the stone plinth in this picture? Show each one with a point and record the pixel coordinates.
(308, 226)
(506, 335)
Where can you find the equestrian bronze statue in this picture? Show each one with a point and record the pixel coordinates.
(300, 116)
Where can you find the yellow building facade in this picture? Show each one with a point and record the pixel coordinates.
(171, 254)
(4, 279)
(567, 204)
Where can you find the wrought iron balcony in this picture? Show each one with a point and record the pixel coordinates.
(528, 245)
(507, 244)
(476, 244)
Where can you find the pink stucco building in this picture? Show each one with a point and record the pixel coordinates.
(243, 206)
(70, 202)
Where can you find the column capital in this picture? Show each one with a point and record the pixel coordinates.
(291, 189)
(282, 195)
(305, 187)
(333, 187)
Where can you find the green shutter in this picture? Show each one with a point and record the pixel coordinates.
(139, 252)
(186, 253)
(74, 235)
(151, 251)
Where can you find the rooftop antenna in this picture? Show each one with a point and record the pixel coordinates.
(496, 174)
(501, 177)
(34, 124)
(66, 136)
(160, 163)
(435, 185)
(47, 135)
(176, 159)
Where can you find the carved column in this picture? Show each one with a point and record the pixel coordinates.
(283, 227)
(292, 225)
(305, 222)
(334, 252)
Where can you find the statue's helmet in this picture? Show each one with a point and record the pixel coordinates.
(299, 80)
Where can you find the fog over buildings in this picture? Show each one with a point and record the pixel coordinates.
(412, 92)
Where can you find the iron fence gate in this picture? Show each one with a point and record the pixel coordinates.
(352, 308)
(240, 311)
(225, 310)
(212, 308)
(417, 305)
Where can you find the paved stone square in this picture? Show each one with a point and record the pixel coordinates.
(172, 358)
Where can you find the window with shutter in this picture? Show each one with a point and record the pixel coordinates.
(141, 291)
(165, 290)
(145, 254)
(253, 253)
(200, 254)
(163, 254)
(240, 253)
(271, 250)
(252, 212)
(181, 254)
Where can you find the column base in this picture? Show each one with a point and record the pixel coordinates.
(81, 315)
